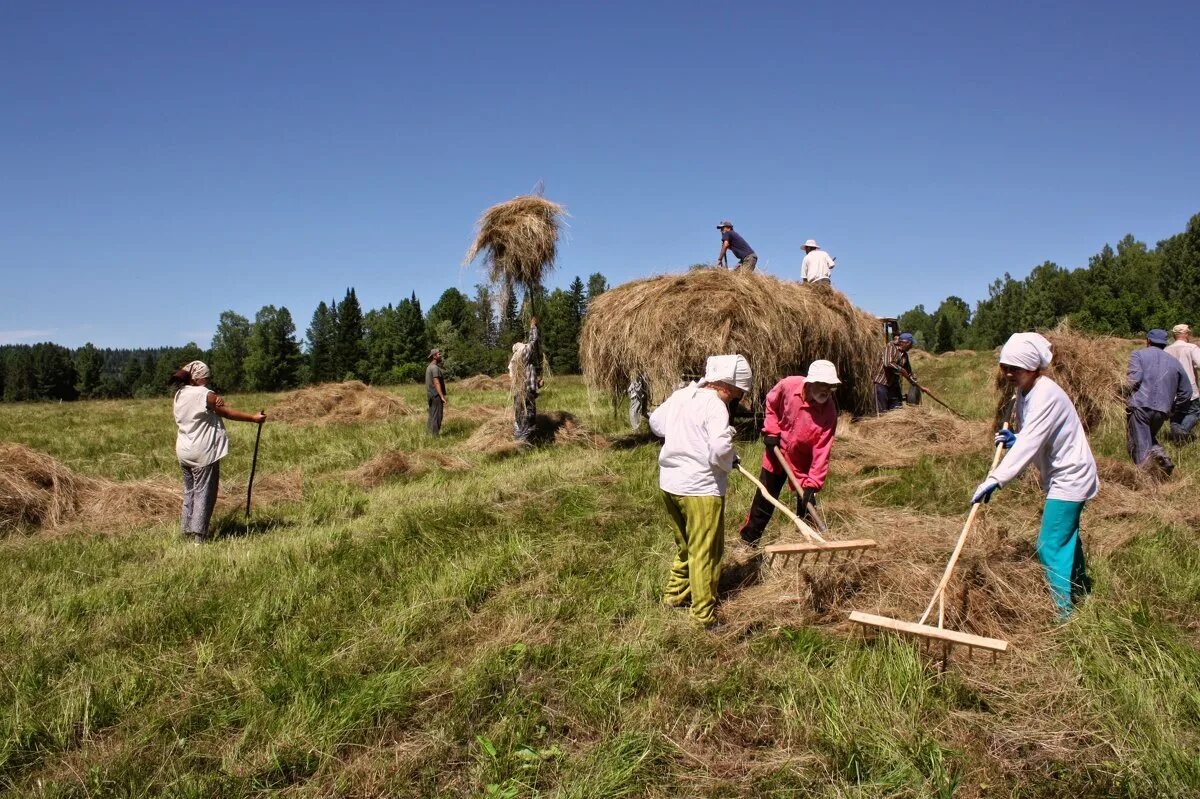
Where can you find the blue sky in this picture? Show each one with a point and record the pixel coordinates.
(162, 162)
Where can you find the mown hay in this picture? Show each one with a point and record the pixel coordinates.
(338, 403)
(901, 437)
(553, 428)
(1090, 369)
(35, 489)
(519, 240)
(483, 383)
(394, 464)
(665, 327)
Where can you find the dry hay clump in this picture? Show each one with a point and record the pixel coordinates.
(37, 490)
(483, 383)
(519, 240)
(553, 428)
(393, 464)
(665, 327)
(901, 437)
(1091, 369)
(338, 403)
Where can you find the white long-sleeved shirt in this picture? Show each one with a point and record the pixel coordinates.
(1187, 354)
(1052, 438)
(816, 265)
(698, 453)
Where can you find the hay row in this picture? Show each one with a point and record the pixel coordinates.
(665, 327)
(394, 464)
(338, 403)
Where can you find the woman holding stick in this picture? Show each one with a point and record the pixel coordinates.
(201, 443)
(1051, 436)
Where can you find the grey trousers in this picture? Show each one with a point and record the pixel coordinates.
(436, 409)
(199, 496)
(637, 411)
(524, 414)
(748, 263)
(1141, 434)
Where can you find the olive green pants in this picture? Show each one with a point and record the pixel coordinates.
(700, 542)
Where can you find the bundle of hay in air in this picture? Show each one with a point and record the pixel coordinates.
(339, 403)
(665, 327)
(1090, 369)
(518, 240)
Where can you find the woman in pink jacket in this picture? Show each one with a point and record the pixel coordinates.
(801, 420)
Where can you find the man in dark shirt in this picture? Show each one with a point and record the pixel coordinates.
(435, 391)
(732, 242)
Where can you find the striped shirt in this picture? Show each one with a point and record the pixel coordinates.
(887, 371)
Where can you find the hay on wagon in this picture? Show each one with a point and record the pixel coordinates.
(518, 240)
(665, 327)
(340, 403)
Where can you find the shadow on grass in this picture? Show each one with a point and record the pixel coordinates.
(738, 575)
(238, 526)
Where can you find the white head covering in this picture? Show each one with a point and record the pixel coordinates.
(823, 372)
(197, 369)
(1026, 350)
(731, 369)
(811, 243)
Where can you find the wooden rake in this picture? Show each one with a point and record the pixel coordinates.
(926, 632)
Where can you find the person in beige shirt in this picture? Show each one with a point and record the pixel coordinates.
(1188, 354)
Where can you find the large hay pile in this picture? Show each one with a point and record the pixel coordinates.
(341, 403)
(519, 240)
(1091, 369)
(665, 327)
(553, 428)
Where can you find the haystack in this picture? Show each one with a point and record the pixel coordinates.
(553, 428)
(519, 241)
(339, 403)
(1091, 369)
(665, 327)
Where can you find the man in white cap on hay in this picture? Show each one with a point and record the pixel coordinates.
(1188, 355)
(1051, 437)
(801, 418)
(693, 473)
(732, 242)
(817, 266)
(1157, 386)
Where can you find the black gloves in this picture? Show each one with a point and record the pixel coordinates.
(809, 497)
(770, 442)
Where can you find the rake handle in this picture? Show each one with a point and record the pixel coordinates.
(812, 509)
(962, 540)
(938, 400)
(800, 525)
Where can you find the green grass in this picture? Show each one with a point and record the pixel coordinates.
(496, 632)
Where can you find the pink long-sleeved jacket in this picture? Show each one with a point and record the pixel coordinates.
(805, 432)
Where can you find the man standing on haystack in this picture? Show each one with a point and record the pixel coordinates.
(893, 365)
(693, 474)
(526, 386)
(1157, 385)
(435, 391)
(817, 267)
(1188, 355)
(801, 418)
(732, 242)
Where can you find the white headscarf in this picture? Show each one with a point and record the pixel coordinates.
(731, 369)
(197, 369)
(1027, 350)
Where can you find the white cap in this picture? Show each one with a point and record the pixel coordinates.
(1029, 351)
(731, 369)
(811, 243)
(1181, 329)
(823, 372)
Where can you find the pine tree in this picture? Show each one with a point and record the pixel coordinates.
(53, 372)
(410, 327)
(350, 353)
(321, 338)
(89, 366)
(274, 354)
(230, 344)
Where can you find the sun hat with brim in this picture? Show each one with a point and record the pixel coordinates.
(813, 244)
(823, 372)
(1157, 336)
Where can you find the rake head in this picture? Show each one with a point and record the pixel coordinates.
(928, 634)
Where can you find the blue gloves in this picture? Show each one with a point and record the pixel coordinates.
(1007, 438)
(985, 491)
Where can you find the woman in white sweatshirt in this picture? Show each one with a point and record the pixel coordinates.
(201, 443)
(1052, 438)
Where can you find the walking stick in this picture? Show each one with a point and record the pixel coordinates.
(253, 467)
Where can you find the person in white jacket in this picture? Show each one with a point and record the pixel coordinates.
(1051, 437)
(693, 472)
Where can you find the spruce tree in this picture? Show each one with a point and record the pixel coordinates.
(321, 338)
(274, 358)
(89, 366)
(410, 327)
(230, 345)
(350, 352)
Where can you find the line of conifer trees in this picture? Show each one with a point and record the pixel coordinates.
(386, 345)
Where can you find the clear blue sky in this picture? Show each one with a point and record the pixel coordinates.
(161, 162)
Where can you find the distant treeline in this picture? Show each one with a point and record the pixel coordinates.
(1123, 292)
(386, 345)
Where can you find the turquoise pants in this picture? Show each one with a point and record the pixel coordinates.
(1060, 550)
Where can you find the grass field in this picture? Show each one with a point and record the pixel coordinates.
(496, 632)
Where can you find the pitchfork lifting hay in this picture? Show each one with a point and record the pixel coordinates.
(665, 327)
(519, 241)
